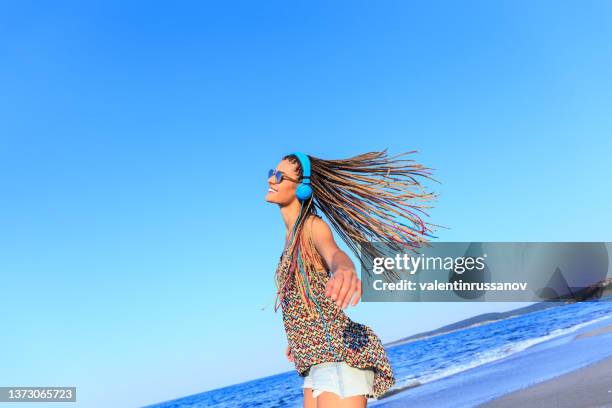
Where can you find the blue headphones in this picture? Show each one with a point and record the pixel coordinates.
(303, 191)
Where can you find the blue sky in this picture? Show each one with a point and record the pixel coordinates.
(136, 248)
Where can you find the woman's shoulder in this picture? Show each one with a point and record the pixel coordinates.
(314, 216)
(317, 226)
(315, 220)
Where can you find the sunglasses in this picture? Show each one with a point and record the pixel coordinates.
(279, 176)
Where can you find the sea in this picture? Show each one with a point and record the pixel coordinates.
(424, 360)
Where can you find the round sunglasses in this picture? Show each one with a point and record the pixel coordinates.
(279, 176)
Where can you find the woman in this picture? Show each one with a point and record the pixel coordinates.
(364, 198)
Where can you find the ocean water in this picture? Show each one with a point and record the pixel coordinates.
(424, 360)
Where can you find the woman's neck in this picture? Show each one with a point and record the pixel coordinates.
(290, 213)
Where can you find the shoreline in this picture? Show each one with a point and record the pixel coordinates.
(589, 386)
(567, 371)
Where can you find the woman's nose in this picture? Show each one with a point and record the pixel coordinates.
(272, 179)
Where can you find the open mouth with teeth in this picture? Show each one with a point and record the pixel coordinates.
(272, 190)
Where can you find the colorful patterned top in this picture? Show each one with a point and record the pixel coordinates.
(330, 335)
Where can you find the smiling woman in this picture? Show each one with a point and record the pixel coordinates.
(365, 197)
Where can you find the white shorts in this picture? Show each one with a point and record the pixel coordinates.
(339, 378)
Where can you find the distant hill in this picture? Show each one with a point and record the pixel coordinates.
(476, 320)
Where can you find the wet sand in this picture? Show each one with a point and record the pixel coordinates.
(586, 387)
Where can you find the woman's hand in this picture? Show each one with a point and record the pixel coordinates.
(344, 285)
(289, 354)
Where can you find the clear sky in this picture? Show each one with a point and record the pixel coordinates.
(136, 249)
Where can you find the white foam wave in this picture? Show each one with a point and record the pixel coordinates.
(498, 353)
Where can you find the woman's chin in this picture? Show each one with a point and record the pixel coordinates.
(270, 198)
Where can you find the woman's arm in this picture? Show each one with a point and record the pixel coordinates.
(344, 283)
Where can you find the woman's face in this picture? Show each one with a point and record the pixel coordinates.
(283, 193)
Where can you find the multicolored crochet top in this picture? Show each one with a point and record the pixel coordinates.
(329, 334)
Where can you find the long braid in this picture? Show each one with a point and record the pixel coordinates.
(304, 260)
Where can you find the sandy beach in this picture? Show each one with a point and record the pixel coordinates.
(573, 370)
(586, 387)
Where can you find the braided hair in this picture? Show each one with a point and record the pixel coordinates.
(366, 198)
